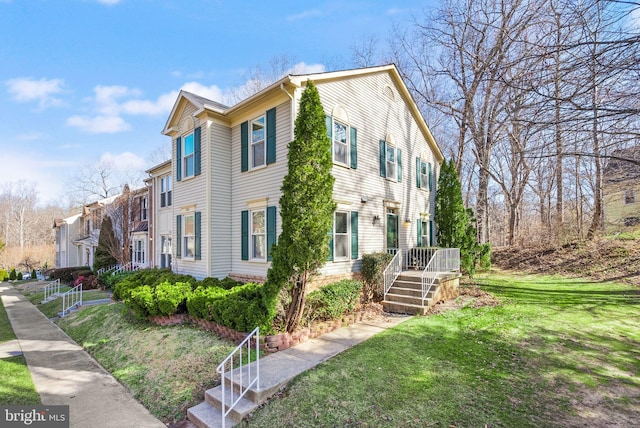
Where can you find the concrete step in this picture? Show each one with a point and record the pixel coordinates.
(206, 416)
(405, 308)
(413, 300)
(245, 406)
(415, 292)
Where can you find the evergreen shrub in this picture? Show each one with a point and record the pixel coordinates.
(373, 265)
(12, 275)
(333, 300)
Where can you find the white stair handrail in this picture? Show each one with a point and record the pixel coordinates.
(443, 261)
(235, 375)
(391, 273)
(51, 290)
(71, 299)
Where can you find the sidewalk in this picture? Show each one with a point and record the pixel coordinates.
(64, 374)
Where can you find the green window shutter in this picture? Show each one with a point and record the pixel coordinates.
(244, 147)
(383, 159)
(430, 179)
(179, 236)
(354, 148)
(179, 159)
(245, 235)
(418, 171)
(399, 157)
(271, 136)
(197, 241)
(271, 230)
(354, 235)
(419, 233)
(196, 151)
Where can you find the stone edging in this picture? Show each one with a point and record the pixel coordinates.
(272, 343)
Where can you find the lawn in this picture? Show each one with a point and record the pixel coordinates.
(166, 368)
(53, 307)
(16, 386)
(556, 352)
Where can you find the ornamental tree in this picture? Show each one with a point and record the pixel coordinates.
(306, 208)
(455, 224)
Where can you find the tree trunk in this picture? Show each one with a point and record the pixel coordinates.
(296, 308)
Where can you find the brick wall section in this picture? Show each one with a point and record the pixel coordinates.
(272, 343)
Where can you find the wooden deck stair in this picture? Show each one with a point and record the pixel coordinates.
(405, 295)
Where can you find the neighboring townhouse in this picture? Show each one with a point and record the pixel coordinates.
(67, 230)
(138, 229)
(87, 241)
(228, 165)
(160, 185)
(621, 190)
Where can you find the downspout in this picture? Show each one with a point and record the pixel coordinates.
(293, 109)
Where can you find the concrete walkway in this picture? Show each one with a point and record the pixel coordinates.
(64, 374)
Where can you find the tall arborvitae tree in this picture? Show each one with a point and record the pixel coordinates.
(107, 244)
(306, 207)
(455, 224)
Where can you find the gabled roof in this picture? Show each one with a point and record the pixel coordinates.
(297, 81)
(69, 220)
(619, 169)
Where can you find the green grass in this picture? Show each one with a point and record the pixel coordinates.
(16, 386)
(166, 368)
(52, 308)
(557, 352)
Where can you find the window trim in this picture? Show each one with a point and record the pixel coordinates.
(347, 234)
(186, 236)
(252, 246)
(185, 156)
(346, 144)
(394, 175)
(166, 256)
(166, 187)
(252, 143)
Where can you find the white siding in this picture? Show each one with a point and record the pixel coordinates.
(189, 195)
(218, 238)
(255, 184)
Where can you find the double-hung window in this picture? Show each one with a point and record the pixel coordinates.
(165, 252)
(425, 237)
(258, 140)
(188, 235)
(188, 156)
(138, 251)
(143, 209)
(165, 191)
(258, 235)
(390, 161)
(340, 143)
(423, 174)
(341, 241)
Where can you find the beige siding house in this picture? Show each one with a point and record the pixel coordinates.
(228, 165)
(621, 189)
(67, 230)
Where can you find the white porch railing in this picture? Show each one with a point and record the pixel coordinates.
(392, 271)
(444, 261)
(71, 299)
(131, 266)
(51, 290)
(230, 371)
(106, 269)
(419, 257)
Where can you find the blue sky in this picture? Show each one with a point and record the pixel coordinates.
(90, 80)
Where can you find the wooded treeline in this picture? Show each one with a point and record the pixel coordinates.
(530, 98)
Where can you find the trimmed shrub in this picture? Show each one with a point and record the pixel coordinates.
(19, 276)
(33, 274)
(333, 300)
(199, 298)
(151, 277)
(12, 275)
(229, 283)
(373, 265)
(4, 275)
(142, 302)
(171, 298)
(65, 275)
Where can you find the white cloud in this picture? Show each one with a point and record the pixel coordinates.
(109, 2)
(26, 89)
(124, 161)
(99, 124)
(312, 13)
(304, 68)
(30, 136)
